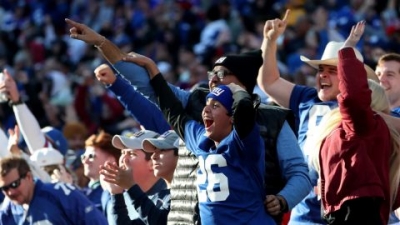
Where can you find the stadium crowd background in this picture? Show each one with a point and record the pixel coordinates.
(54, 72)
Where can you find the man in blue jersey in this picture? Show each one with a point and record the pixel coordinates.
(30, 201)
(388, 72)
(308, 104)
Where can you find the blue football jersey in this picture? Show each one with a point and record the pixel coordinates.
(230, 177)
(308, 110)
(57, 203)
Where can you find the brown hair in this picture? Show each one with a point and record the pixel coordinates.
(389, 57)
(13, 162)
(103, 141)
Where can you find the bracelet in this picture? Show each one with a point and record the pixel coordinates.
(101, 44)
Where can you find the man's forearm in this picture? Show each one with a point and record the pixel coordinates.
(110, 51)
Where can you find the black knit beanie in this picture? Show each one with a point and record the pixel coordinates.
(244, 66)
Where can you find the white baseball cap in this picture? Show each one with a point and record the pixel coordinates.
(47, 156)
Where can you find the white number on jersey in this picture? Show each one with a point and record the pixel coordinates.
(315, 115)
(212, 179)
(66, 188)
(42, 222)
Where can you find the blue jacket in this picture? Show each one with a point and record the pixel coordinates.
(57, 203)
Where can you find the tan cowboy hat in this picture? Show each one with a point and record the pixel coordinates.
(330, 57)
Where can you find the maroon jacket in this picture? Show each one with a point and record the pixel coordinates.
(354, 158)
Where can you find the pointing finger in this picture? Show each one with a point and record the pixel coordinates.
(286, 15)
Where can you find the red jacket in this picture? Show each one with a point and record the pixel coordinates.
(354, 158)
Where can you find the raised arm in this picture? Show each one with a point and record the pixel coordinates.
(28, 124)
(269, 79)
(136, 74)
(355, 96)
(145, 111)
(244, 114)
(170, 105)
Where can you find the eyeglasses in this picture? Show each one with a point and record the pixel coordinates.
(220, 74)
(89, 156)
(15, 184)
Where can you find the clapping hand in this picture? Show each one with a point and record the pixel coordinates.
(121, 176)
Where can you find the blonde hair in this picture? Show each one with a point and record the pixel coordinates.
(331, 121)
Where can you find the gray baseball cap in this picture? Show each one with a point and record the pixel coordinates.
(132, 140)
(167, 140)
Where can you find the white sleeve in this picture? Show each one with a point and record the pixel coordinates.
(29, 127)
(3, 147)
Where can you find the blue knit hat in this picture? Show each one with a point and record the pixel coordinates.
(222, 94)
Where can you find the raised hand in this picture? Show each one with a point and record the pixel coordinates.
(121, 176)
(355, 34)
(14, 136)
(143, 61)
(62, 175)
(105, 74)
(84, 33)
(274, 28)
(9, 87)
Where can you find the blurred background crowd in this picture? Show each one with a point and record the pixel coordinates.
(54, 72)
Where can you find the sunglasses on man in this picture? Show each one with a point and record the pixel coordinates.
(13, 185)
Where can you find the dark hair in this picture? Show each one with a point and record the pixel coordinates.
(103, 141)
(13, 162)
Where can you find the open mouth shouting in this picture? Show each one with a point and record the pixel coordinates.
(324, 85)
(208, 122)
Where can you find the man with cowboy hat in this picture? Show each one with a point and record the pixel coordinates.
(309, 104)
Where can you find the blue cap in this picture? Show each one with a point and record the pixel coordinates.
(56, 138)
(223, 95)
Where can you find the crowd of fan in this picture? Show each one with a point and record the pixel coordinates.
(54, 72)
(55, 75)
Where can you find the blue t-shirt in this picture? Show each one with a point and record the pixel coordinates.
(57, 203)
(230, 178)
